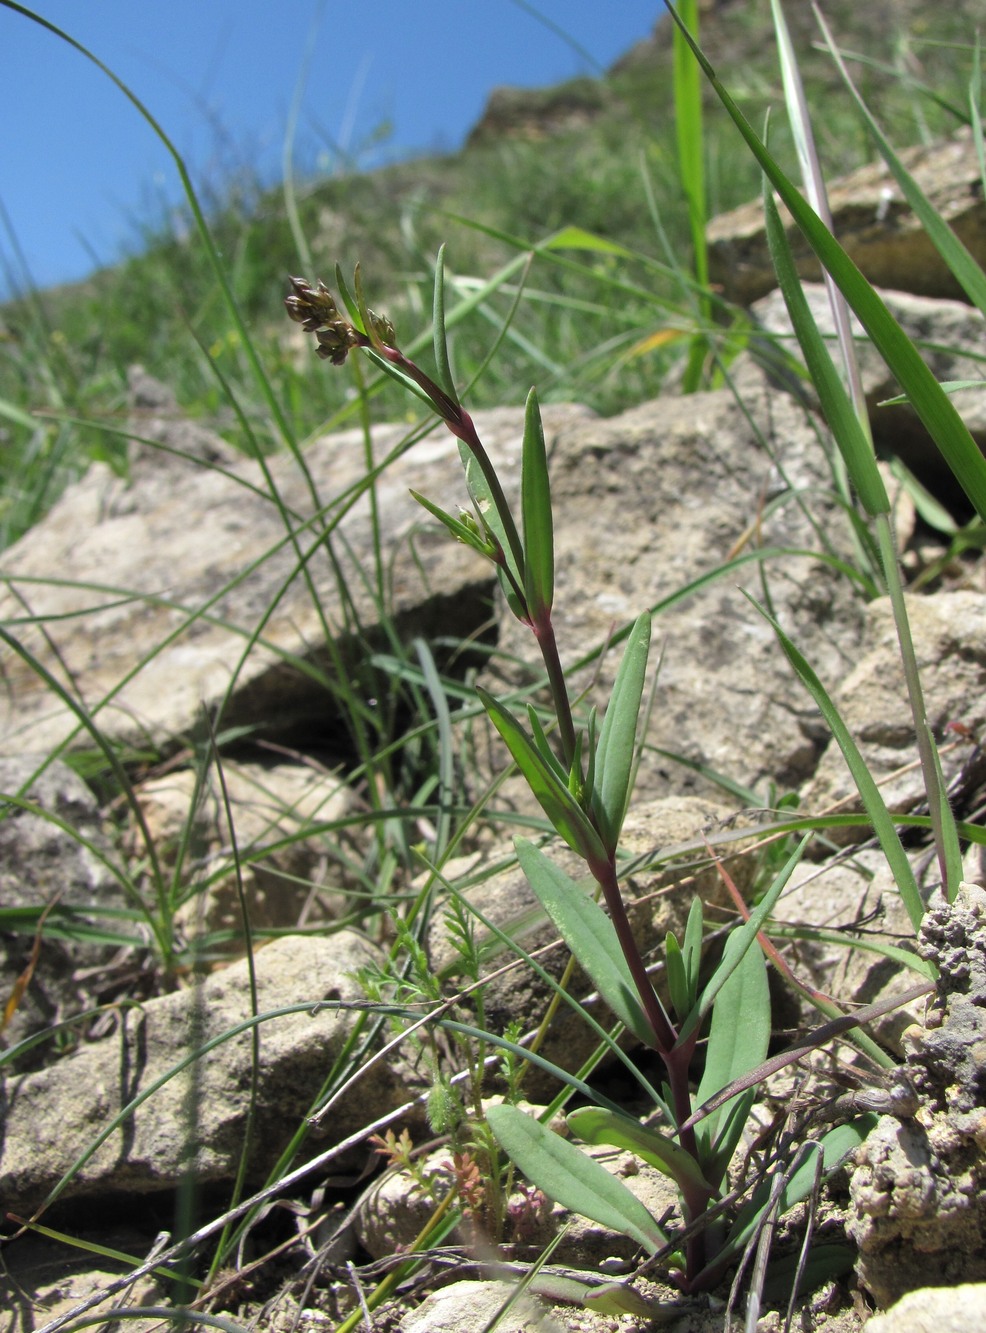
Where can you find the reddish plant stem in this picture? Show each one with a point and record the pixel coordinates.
(544, 632)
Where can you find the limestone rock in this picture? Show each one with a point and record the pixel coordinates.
(917, 1190)
(152, 592)
(949, 633)
(873, 222)
(935, 1310)
(469, 1307)
(53, 849)
(196, 1118)
(844, 896)
(289, 866)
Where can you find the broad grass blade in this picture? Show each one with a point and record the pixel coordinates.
(852, 439)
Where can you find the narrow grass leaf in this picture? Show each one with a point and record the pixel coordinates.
(563, 810)
(691, 173)
(595, 1125)
(961, 262)
(932, 405)
(869, 792)
(952, 852)
(535, 490)
(928, 506)
(852, 439)
(617, 736)
(577, 238)
(588, 932)
(571, 1178)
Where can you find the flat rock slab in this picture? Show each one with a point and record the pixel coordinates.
(194, 1118)
(874, 223)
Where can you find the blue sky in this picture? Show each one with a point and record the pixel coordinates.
(80, 171)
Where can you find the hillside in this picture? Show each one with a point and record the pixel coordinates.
(593, 154)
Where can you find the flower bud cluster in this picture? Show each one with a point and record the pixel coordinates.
(314, 308)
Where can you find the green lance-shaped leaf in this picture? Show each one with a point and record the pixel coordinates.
(595, 1124)
(691, 949)
(464, 529)
(543, 746)
(852, 439)
(348, 300)
(571, 1178)
(739, 1033)
(442, 363)
(742, 938)
(617, 736)
(501, 526)
(589, 933)
(677, 978)
(539, 542)
(566, 815)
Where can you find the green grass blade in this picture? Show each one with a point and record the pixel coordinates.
(931, 404)
(588, 932)
(571, 1178)
(618, 734)
(853, 441)
(869, 792)
(535, 489)
(954, 252)
(951, 849)
(691, 173)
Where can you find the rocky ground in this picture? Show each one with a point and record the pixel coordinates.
(142, 602)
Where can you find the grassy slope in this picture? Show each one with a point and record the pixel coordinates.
(66, 352)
